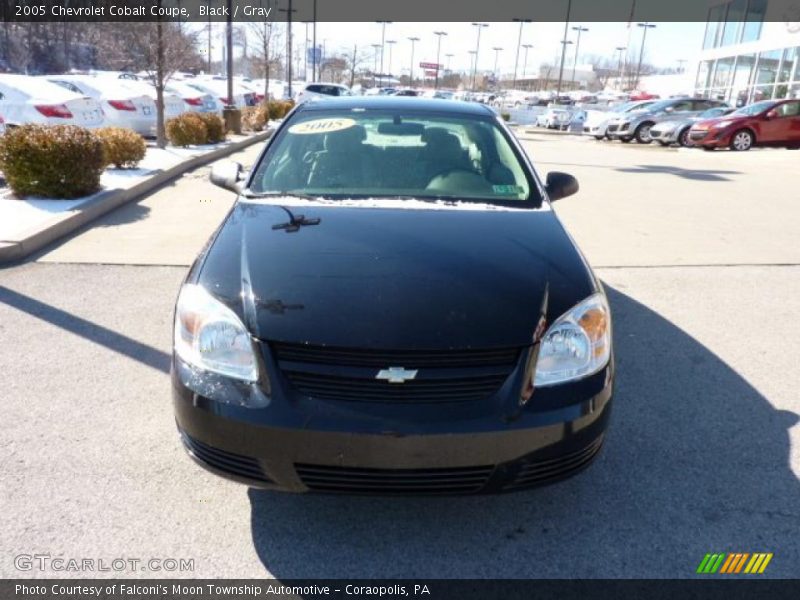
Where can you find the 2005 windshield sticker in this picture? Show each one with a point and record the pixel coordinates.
(321, 126)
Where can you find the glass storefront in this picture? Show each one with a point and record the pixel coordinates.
(734, 22)
(749, 78)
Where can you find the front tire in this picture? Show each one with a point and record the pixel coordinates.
(642, 133)
(599, 138)
(742, 140)
(626, 140)
(683, 138)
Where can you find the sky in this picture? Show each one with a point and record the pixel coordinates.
(666, 44)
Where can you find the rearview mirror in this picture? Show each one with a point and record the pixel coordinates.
(227, 174)
(560, 185)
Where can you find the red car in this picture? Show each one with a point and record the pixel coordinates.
(641, 95)
(766, 123)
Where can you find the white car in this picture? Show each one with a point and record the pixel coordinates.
(26, 99)
(554, 118)
(219, 89)
(516, 99)
(321, 90)
(173, 103)
(193, 99)
(122, 106)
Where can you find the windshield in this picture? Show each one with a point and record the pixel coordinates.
(754, 109)
(358, 153)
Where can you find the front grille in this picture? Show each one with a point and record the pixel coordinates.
(410, 359)
(612, 128)
(349, 374)
(354, 480)
(355, 389)
(233, 464)
(544, 471)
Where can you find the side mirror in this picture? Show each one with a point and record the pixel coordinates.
(227, 174)
(560, 185)
(772, 114)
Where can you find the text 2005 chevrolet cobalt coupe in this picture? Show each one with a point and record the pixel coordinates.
(392, 307)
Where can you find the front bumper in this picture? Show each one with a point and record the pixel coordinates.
(298, 444)
(669, 136)
(709, 138)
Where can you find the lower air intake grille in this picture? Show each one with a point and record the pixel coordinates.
(234, 464)
(539, 472)
(353, 480)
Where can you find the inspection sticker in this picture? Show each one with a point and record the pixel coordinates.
(321, 126)
(508, 189)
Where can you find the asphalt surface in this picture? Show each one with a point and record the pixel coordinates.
(702, 455)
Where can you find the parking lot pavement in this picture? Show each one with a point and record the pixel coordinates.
(649, 205)
(167, 227)
(702, 455)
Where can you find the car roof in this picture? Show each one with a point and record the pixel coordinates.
(35, 87)
(418, 104)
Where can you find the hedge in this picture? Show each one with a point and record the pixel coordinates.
(122, 148)
(53, 161)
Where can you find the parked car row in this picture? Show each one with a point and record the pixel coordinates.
(700, 122)
(113, 99)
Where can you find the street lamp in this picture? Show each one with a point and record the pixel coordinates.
(519, 43)
(413, 41)
(391, 43)
(525, 62)
(477, 49)
(375, 66)
(472, 58)
(644, 26)
(497, 50)
(580, 30)
(439, 34)
(621, 50)
(383, 25)
(564, 43)
(449, 57)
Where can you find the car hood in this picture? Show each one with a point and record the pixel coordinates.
(708, 123)
(395, 277)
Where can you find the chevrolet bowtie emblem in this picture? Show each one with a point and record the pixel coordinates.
(396, 374)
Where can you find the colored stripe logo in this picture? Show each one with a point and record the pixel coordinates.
(733, 563)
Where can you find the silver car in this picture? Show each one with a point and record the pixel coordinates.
(637, 125)
(676, 131)
(597, 121)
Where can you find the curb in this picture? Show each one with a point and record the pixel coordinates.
(106, 201)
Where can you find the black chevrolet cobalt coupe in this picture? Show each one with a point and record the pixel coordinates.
(392, 307)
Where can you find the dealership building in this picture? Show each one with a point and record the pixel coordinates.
(751, 52)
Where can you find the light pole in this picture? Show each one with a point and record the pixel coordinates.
(580, 30)
(525, 61)
(391, 43)
(383, 42)
(375, 66)
(438, 34)
(413, 41)
(497, 50)
(314, 65)
(563, 49)
(621, 50)
(519, 44)
(472, 60)
(644, 26)
(449, 57)
(477, 49)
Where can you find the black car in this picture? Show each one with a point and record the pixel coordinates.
(392, 306)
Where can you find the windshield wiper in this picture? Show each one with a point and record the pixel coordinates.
(295, 221)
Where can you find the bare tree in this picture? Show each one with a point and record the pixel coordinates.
(356, 60)
(266, 56)
(160, 49)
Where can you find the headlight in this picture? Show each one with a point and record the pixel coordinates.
(577, 345)
(722, 124)
(209, 336)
